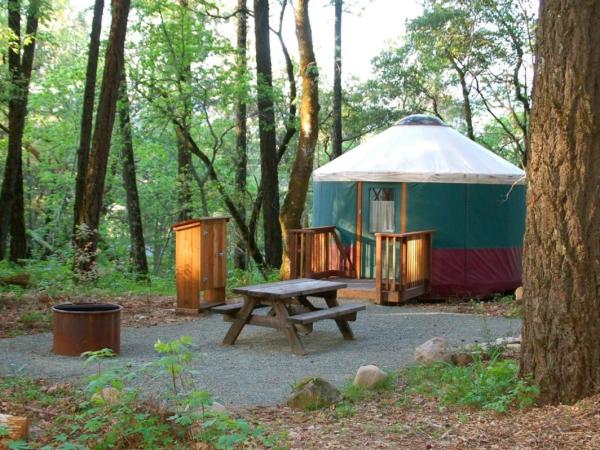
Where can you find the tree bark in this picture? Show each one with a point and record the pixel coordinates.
(87, 113)
(184, 187)
(293, 205)
(336, 129)
(134, 215)
(269, 182)
(241, 147)
(184, 158)
(20, 64)
(562, 242)
(88, 217)
(467, 110)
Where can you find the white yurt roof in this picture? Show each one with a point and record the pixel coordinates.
(421, 149)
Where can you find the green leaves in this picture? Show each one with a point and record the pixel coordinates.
(493, 385)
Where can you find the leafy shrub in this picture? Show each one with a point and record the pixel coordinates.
(493, 385)
(188, 414)
(55, 277)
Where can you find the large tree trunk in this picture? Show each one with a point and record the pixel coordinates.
(134, 215)
(293, 206)
(88, 217)
(269, 181)
(184, 157)
(184, 185)
(87, 113)
(336, 129)
(241, 163)
(562, 243)
(20, 64)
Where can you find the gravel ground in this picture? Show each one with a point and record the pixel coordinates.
(259, 368)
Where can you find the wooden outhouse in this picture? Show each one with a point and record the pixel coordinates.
(200, 262)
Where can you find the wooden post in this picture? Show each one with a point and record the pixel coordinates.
(358, 257)
(378, 268)
(293, 251)
(308, 251)
(17, 427)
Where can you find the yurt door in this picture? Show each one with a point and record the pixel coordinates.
(381, 209)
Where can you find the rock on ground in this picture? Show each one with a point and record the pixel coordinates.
(313, 393)
(218, 407)
(369, 376)
(519, 293)
(434, 350)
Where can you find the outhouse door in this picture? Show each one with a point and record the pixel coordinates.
(213, 259)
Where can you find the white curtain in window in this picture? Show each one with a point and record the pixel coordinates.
(381, 217)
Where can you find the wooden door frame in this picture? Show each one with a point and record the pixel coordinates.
(359, 203)
(359, 206)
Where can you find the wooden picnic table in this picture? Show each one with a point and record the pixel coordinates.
(290, 309)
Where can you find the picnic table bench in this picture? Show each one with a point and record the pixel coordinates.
(290, 309)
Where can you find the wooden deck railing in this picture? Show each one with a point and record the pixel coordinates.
(402, 265)
(318, 253)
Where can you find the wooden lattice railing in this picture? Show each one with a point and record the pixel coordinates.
(402, 266)
(318, 253)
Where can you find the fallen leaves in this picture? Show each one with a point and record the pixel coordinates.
(31, 313)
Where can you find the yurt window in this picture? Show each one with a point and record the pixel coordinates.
(381, 210)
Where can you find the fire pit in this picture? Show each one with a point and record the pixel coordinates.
(83, 327)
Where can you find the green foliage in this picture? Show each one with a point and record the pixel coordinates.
(354, 393)
(124, 418)
(4, 431)
(345, 409)
(493, 385)
(54, 277)
(32, 317)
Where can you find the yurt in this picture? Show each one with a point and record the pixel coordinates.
(421, 174)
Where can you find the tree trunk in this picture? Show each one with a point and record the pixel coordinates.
(184, 157)
(467, 110)
(87, 113)
(269, 181)
(293, 206)
(134, 215)
(88, 217)
(336, 129)
(20, 64)
(184, 186)
(562, 241)
(240, 253)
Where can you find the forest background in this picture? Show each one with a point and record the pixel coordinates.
(190, 69)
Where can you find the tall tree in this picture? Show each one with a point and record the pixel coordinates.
(562, 240)
(20, 64)
(295, 199)
(269, 181)
(134, 215)
(87, 112)
(450, 34)
(336, 128)
(184, 157)
(88, 217)
(241, 146)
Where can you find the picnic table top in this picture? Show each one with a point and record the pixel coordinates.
(289, 288)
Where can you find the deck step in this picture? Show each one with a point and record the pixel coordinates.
(347, 312)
